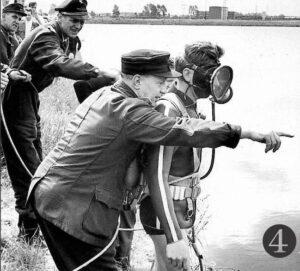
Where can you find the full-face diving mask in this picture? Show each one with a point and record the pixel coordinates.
(216, 79)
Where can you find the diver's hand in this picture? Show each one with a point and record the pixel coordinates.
(19, 75)
(272, 139)
(4, 80)
(177, 254)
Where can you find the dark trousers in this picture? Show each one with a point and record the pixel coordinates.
(69, 252)
(20, 108)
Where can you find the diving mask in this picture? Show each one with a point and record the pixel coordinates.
(215, 81)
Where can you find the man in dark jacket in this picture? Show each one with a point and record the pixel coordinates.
(43, 54)
(79, 187)
(11, 16)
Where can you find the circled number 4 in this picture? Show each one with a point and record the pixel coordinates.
(279, 243)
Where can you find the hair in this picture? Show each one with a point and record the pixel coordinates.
(32, 4)
(200, 53)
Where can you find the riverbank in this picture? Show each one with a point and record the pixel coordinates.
(179, 21)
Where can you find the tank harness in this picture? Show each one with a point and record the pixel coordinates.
(190, 190)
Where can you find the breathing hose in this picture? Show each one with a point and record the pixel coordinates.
(213, 151)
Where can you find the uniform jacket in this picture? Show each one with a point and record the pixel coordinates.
(44, 54)
(80, 184)
(9, 45)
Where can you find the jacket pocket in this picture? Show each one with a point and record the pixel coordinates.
(101, 218)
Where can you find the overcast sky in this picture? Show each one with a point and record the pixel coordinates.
(272, 7)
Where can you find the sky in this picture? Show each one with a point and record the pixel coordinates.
(272, 7)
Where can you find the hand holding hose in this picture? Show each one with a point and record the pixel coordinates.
(4, 80)
(19, 75)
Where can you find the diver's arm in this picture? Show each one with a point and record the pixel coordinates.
(159, 164)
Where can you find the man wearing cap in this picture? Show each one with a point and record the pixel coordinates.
(43, 54)
(78, 190)
(11, 16)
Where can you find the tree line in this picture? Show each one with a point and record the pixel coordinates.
(150, 10)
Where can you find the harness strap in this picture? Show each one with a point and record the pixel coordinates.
(173, 99)
(181, 192)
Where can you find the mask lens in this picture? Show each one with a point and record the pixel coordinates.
(220, 84)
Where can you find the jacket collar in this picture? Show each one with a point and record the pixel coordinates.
(6, 32)
(63, 37)
(123, 88)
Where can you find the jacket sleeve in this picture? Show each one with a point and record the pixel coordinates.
(144, 124)
(157, 173)
(3, 52)
(47, 52)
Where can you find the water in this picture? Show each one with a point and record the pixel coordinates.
(249, 190)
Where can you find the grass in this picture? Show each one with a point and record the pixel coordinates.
(58, 102)
(19, 256)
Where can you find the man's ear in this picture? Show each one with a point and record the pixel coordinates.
(188, 74)
(59, 17)
(136, 81)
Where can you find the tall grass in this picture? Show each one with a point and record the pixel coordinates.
(19, 256)
(58, 102)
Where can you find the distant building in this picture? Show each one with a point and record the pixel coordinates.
(128, 14)
(231, 15)
(202, 14)
(218, 13)
(107, 14)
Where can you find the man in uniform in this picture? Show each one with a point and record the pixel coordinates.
(43, 54)
(78, 190)
(11, 16)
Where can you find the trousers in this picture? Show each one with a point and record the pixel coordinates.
(20, 106)
(69, 252)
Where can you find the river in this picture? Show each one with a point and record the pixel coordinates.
(249, 191)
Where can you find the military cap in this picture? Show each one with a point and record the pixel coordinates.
(14, 8)
(148, 62)
(73, 8)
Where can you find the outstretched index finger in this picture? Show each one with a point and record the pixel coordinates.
(284, 134)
